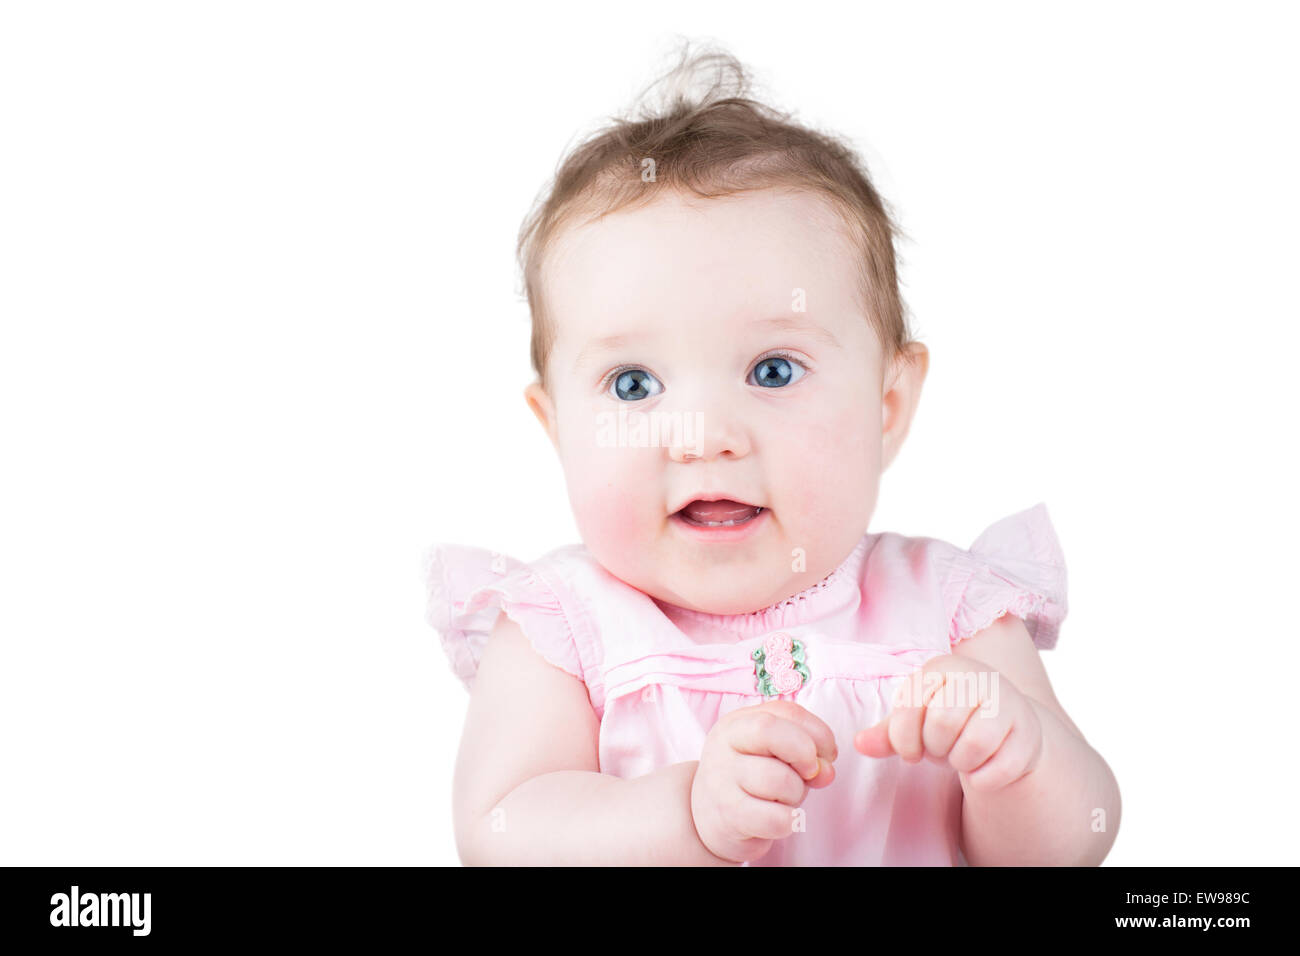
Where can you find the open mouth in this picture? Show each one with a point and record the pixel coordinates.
(719, 514)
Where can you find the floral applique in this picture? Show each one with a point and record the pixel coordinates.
(779, 666)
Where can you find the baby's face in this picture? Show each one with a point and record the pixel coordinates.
(734, 322)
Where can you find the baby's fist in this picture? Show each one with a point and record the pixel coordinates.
(755, 768)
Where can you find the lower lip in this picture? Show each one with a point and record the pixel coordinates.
(735, 532)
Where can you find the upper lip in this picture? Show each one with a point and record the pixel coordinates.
(719, 496)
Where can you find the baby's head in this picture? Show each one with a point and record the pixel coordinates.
(716, 315)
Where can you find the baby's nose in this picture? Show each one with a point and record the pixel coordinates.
(705, 435)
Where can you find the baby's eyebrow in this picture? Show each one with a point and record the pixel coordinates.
(788, 323)
(780, 323)
(606, 344)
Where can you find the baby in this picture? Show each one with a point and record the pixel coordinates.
(724, 369)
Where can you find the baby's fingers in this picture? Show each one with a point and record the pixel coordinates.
(764, 734)
(918, 720)
(825, 777)
(770, 779)
(818, 729)
(908, 715)
(874, 741)
(763, 819)
(991, 754)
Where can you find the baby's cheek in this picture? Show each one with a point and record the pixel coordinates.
(848, 445)
(613, 501)
(830, 478)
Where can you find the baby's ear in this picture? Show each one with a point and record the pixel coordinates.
(898, 405)
(542, 407)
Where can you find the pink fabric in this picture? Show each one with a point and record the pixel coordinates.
(660, 676)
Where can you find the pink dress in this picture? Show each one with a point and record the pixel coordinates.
(660, 676)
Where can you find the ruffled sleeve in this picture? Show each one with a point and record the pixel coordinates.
(1015, 566)
(467, 589)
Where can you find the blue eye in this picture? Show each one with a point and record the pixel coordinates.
(634, 384)
(776, 371)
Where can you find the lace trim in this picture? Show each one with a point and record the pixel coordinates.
(803, 595)
(1023, 605)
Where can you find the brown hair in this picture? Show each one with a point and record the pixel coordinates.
(718, 144)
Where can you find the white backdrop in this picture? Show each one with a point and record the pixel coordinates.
(263, 343)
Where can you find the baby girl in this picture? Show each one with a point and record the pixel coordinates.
(730, 670)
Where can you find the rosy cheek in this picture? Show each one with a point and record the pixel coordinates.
(613, 497)
(829, 469)
(848, 436)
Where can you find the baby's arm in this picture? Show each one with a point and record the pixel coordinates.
(528, 791)
(1063, 812)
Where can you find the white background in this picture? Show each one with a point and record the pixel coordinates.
(263, 343)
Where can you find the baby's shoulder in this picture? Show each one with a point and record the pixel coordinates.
(1015, 566)
(563, 602)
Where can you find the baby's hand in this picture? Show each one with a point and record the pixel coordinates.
(958, 711)
(756, 765)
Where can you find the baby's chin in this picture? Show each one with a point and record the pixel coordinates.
(728, 589)
(707, 576)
